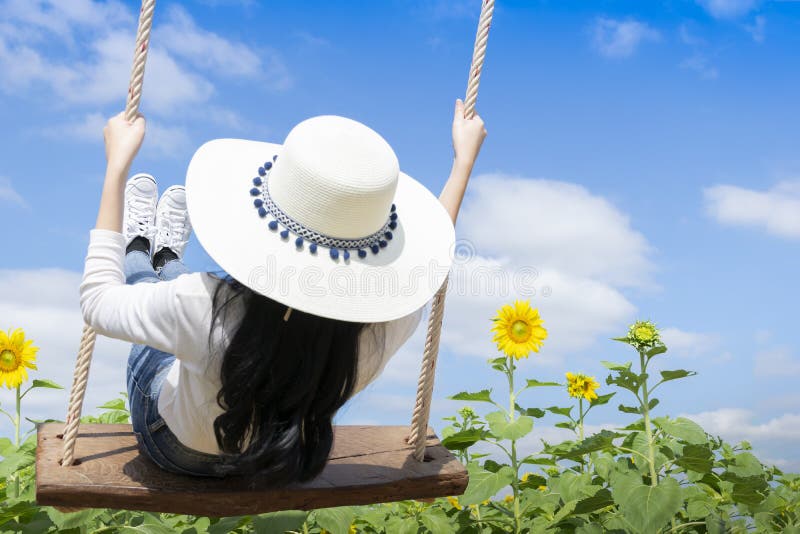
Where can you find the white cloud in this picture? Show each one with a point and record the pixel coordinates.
(64, 19)
(566, 249)
(207, 50)
(9, 194)
(686, 343)
(95, 68)
(758, 30)
(702, 66)
(53, 320)
(737, 424)
(776, 210)
(776, 361)
(554, 225)
(161, 140)
(728, 9)
(621, 38)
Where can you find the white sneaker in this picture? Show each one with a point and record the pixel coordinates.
(139, 208)
(173, 227)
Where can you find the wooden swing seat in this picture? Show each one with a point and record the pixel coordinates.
(368, 464)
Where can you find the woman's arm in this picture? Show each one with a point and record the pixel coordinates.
(123, 140)
(468, 135)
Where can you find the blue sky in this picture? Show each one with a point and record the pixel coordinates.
(642, 157)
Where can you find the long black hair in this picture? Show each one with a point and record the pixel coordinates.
(282, 383)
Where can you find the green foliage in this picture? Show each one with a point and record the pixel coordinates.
(656, 474)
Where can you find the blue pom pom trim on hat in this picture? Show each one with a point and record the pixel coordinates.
(337, 247)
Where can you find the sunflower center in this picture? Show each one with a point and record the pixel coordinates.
(8, 360)
(520, 331)
(644, 333)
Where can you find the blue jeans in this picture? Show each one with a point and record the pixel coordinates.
(147, 369)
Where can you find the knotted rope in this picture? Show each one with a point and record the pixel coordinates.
(422, 408)
(84, 359)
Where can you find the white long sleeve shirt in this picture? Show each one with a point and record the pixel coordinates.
(175, 317)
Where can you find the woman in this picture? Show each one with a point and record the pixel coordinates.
(329, 252)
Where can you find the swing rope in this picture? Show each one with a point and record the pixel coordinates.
(84, 359)
(427, 373)
(419, 423)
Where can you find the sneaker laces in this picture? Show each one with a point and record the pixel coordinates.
(140, 217)
(173, 228)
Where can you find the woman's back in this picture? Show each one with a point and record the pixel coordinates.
(176, 317)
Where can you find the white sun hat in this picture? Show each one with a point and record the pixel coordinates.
(325, 223)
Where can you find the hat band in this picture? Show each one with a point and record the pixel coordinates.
(267, 206)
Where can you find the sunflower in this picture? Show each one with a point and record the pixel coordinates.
(16, 353)
(518, 329)
(454, 503)
(582, 386)
(644, 335)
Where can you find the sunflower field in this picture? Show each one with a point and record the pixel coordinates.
(656, 474)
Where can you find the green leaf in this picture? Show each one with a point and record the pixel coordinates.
(502, 428)
(537, 384)
(116, 404)
(666, 376)
(6, 447)
(494, 467)
(655, 351)
(699, 505)
(749, 490)
(569, 425)
(538, 413)
(436, 521)
(628, 409)
(65, 521)
(335, 520)
(602, 399)
(405, 525)
(746, 465)
(564, 512)
(538, 461)
(600, 441)
(280, 521)
(463, 439)
(599, 500)
(589, 528)
(484, 484)
(683, 429)
(44, 383)
(647, 508)
(227, 524)
(15, 461)
(621, 339)
(616, 366)
(147, 528)
(573, 487)
(698, 458)
(566, 412)
(479, 396)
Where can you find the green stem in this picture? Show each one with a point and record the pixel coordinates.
(684, 525)
(16, 438)
(10, 417)
(514, 463)
(17, 419)
(580, 428)
(647, 425)
(626, 449)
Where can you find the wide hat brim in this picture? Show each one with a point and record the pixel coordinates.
(397, 281)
